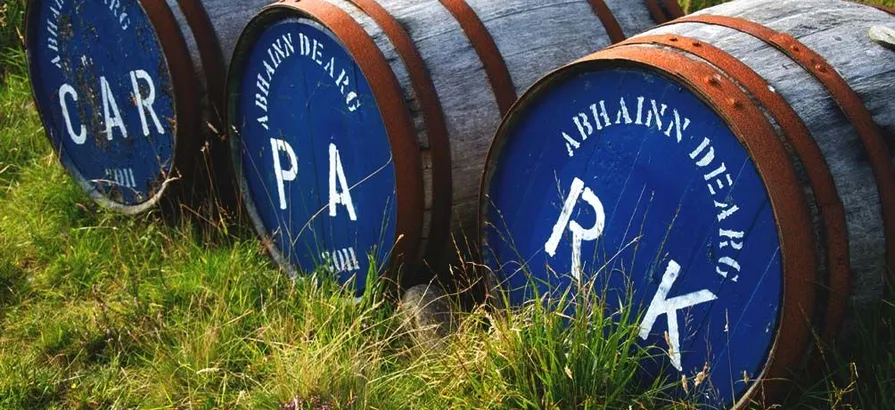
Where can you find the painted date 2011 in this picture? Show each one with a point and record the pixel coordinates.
(342, 260)
(122, 176)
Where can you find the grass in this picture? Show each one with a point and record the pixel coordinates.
(102, 311)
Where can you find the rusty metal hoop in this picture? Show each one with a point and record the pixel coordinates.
(395, 114)
(845, 98)
(835, 235)
(771, 159)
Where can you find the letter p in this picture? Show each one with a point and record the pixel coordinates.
(283, 175)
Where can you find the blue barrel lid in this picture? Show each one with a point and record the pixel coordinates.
(313, 150)
(623, 177)
(102, 84)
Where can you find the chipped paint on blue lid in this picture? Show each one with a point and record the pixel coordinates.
(103, 88)
(314, 154)
(624, 178)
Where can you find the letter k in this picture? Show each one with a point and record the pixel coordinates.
(661, 305)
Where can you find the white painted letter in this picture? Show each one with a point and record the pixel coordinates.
(283, 175)
(600, 113)
(676, 125)
(579, 234)
(304, 44)
(708, 157)
(571, 144)
(145, 104)
(81, 136)
(583, 124)
(352, 96)
(112, 119)
(734, 239)
(730, 262)
(661, 305)
(336, 197)
(726, 210)
(623, 113)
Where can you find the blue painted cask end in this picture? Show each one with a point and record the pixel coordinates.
(625, 177)
(104, 91)
(313, 153)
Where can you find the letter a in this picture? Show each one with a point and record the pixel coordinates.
(111, 114)
(336, 197)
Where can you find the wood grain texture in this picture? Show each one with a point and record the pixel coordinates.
(211, 29)
(226, 20)
(532, 40)
(838, 31)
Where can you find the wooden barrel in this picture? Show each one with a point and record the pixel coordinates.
(360, 127)
(127, 89)
(730, 172)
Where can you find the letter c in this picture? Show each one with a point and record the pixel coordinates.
(67, 90)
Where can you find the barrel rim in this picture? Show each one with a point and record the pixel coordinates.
(754, 131)
(186, 104)
(426, 94)
(887, 9)
(876, 146)
(487, 51)
(388, 95)
(210, 54)
(831, 212)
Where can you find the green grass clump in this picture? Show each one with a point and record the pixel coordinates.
(99, 310)
(21, 136)
(12, 15)
(102, 311)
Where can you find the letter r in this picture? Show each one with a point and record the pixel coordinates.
(579, 233)
(144, 103)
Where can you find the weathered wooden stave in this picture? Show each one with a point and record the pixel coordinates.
(440, 54)
(865, 211)
(183, 41)
(836, 224)
(449, 177)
